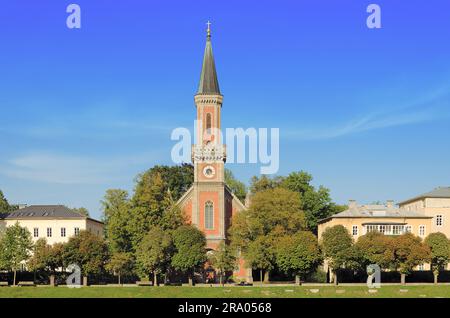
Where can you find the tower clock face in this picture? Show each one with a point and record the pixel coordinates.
(209, 171)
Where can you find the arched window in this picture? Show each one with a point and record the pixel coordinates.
(209, 215)
(208, 123)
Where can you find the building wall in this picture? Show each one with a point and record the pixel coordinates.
(433, 207)
(348, 223)
(56, 225)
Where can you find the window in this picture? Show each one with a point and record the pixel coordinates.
(49, 232)
(355, 230)
(63, 232)
(397, 229)
(421, 267)
(422, 230)
(408, 229)
(209, 215)
(36, 232)
(439, 220)
(208, 123)
(76, 231)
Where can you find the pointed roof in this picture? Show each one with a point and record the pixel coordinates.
(208, 78)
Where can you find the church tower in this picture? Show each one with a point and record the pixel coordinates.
(209, 204)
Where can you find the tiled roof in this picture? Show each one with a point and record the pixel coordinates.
(43, 211)
(376, 211)
(440, 192)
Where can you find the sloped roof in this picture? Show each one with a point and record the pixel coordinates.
(43, 211)
(208, 77)
(439, 192)
(376, 211)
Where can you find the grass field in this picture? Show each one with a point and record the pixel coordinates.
(228, 292)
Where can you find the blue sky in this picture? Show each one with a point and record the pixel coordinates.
(367, 112)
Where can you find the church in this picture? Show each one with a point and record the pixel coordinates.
(209, 204)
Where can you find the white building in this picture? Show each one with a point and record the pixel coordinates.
(55, 223)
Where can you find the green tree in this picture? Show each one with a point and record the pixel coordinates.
(376, 248)
(316, 204)
(116, 212)
(439, 246)
(258, 184)
(4, 204)
(224, 260)
(15, 248)
(260, 255)
(190, 250)
(40, 258)
(273, 213)
(120, 264)
(409, 252)
(82, 211)
(336, 242)
(88, 251)
(298, 254)
(237, 187)
(154, 253)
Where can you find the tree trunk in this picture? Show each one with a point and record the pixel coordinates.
(155, 279)
(336, 282)
(52, 280)
(191, 279)
(119, 279)
(261, 276)
(266, 277)
(297, 280)
(221, 279)
(403, 279)
(14, 280)
(85, 281)
(435, 278)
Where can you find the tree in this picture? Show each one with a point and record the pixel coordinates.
(260, 256)
(316, 204)
(41, 252)
(154, 253)
(439, 246)
(376, 248)
(273, 213)
(237, 187)
(88, 251)
(116, 213)
(336, 242)
(15, 248)
(120, 264)
(224, 260)
(409, 252)
(258, 184)
(298, 254)
(190, 250)
(82, 211)
(4, 204)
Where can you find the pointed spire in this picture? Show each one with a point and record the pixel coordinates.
(208, 78)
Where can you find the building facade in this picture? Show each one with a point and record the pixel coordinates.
(421, 215)
(55, 223)
(209, 204)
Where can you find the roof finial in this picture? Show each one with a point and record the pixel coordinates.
(208, 30)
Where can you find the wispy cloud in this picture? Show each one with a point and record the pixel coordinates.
(427, 111)
(66, 169)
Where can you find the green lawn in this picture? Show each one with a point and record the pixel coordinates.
(228, 292)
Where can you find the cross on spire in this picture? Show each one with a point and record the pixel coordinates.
(208, 30)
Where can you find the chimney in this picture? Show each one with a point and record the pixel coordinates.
(390, 204)
(352, 204)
